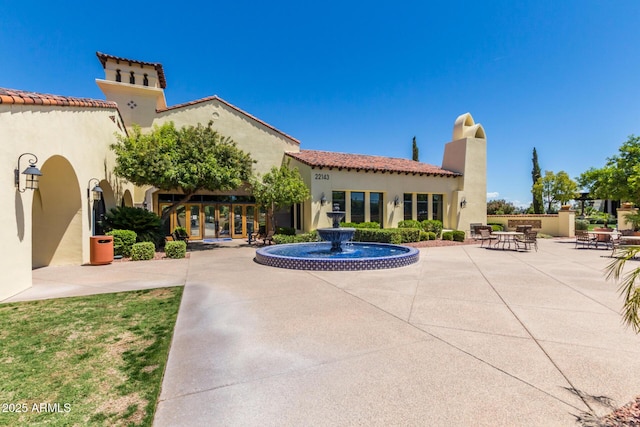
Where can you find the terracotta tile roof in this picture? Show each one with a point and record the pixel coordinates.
(233, 107)
(103, 60)
(14, 96)
(361, 162)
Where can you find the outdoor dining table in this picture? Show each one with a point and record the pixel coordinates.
(506, 238)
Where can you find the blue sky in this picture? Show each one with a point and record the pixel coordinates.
(366, 76)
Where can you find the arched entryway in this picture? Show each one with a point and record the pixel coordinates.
(57, 216)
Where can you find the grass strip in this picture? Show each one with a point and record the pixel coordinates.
(94, 360)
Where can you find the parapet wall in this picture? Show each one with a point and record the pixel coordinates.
(561, 224)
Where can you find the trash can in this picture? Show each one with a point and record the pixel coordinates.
(101, 250)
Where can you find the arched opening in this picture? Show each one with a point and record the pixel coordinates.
(57, 216)
(127, 199)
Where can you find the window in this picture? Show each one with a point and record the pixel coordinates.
(145, 81)
(132, 78)
(437, 206)
(118, 76)
(338, 197)
(423, 207)
(408, 206)
(357, 206)
(375, 207)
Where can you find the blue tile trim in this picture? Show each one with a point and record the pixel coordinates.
(411, 256)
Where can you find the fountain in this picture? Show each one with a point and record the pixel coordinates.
(336, 235)
(333, 255)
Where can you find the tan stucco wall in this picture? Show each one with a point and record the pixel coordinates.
(560, 225)
(265, 145)
(467, 154)
(72, 146)
(391, 185)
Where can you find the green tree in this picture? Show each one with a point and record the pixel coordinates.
(619, 179)
(188, 159)
(416, 154)
(279, 188)
(536, 190)
(629, 288)
(500, 207)
(557, 188)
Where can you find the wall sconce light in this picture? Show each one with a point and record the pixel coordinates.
(32, 173)
(463, 203)
(95, 192)
(323, 200)
(396, 201)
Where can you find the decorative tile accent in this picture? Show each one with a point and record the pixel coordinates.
(132, 104)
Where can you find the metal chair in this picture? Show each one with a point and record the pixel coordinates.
(486, 236)
(584, 238)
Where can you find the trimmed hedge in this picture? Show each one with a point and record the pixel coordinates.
(123, 240)
(360, 224)
(424, 235)
(410, 223)
(432, 235)
(433, 225)
(287, 231)
(175, 250)
(496, 227)
(458, 235)
(447, 235)
(387, 235)
(143, 251)
(582, 224)
(280, 239)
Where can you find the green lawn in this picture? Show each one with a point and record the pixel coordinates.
(96, 360)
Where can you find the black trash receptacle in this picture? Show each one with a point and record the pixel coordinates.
(101, 250)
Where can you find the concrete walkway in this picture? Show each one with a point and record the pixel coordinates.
(467, 336)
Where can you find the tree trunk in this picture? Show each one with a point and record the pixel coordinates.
(172, 208)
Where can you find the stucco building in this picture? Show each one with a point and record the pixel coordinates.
(71, 137)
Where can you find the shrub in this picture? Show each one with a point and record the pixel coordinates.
(410, 223)
(387, 235)
(432, 235)
(432, 225)
(458, 235)
(447, 235)
(424, 235)
(582, 224)
(123, 240)
(496, 227)
(360, 224)
(147, 225)
(280, 239)
(143, 251)
(175, 250)
(287, 231)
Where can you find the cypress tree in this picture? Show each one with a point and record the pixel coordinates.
(415, 150)
(538, 206)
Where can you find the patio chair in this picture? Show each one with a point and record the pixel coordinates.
(473, 229)
(523, 228)
(486, 236)
(530, 238)
(268, 238)
(584, 238)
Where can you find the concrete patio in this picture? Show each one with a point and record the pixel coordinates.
(467, 336)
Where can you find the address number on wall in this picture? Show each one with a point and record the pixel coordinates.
(321, 176)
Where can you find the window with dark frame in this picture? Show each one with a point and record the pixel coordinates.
(118, 76)
(408, 206)
(132, 78)
(423, 206)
